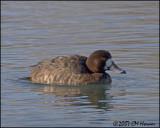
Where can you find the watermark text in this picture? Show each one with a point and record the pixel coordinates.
(132, 123)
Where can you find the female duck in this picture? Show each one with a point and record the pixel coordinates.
(75, 69)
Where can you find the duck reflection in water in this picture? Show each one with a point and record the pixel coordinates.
(92, 95)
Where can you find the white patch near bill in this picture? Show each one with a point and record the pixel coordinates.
(108, 63)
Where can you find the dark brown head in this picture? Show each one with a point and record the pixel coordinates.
(100, 61)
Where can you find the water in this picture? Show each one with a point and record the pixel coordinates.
(32, 31)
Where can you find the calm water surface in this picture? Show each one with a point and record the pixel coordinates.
(32, 31)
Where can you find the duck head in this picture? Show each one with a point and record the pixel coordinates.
(100, 61)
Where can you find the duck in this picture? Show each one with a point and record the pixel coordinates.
(75, 69)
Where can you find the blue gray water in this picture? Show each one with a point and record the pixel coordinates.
(32, 31)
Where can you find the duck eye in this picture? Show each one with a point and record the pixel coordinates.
(103, 58)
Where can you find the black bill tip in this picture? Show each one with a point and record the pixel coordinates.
(123, 72)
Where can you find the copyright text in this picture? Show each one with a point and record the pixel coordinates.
(132, 123)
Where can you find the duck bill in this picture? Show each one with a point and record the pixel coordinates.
(116, 69)
(113, 67)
